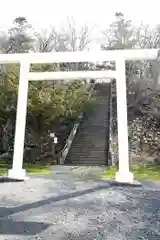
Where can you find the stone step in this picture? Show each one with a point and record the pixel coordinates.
(90, 143)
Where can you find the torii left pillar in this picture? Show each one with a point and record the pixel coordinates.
(17, 172)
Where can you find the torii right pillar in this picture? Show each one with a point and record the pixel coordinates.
(123, 175)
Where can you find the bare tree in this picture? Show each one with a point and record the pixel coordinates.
(75, 40)
(46, 40)
(69, 38)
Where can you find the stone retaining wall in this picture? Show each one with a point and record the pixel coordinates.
(113, 133)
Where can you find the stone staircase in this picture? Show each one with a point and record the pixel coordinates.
(90, 145)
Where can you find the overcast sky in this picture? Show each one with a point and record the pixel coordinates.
(43, 13)
(101, 12)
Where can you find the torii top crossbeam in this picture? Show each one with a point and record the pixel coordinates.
(94, 56)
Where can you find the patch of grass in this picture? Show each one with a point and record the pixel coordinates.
(151, 172)
(109, 173)
(38, 168)
(3, 172)
(35, 168)
(3, 168)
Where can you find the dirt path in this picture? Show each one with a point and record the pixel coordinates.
(65, 206)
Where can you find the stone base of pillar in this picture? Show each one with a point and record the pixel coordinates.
(17, 174)
(124, 177)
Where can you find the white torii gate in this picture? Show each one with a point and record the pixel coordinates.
(119, 56)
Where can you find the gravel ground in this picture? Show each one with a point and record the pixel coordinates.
(63, 206)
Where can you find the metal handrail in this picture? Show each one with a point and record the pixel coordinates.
(73, 132)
